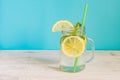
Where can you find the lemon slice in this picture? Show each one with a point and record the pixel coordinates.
(73, 46)
(62, 25)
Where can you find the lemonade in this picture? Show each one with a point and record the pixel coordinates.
(73, 44)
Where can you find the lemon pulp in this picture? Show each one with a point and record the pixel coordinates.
(73, 46)
(62, 25)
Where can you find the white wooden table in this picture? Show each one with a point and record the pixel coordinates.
(42, 65)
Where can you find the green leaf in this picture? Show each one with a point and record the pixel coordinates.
(77, 26)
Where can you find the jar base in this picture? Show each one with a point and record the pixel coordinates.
(71, 68)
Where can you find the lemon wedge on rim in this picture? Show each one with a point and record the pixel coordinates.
(62, 25)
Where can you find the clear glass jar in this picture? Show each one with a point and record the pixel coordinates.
(67, 63)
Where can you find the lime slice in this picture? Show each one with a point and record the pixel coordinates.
(73, 46)
(62, 25)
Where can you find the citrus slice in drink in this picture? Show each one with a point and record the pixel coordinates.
(73, 46)
(62, 25)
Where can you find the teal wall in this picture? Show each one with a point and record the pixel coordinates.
(26, 24)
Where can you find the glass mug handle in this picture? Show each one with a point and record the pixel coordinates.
(90, 54)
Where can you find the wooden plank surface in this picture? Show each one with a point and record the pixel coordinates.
(43, 65)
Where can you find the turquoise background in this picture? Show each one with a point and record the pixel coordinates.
(26, 24)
